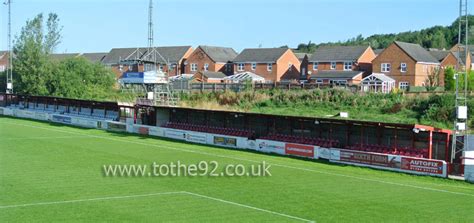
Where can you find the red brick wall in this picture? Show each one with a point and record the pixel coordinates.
(4, 61)
(395, 56)
(200, 58)
(280, 69)
(284, 71)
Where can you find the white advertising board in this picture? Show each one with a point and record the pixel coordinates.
(175, 134)
(196, 137)
(25, 114)
(88, 123)
(42, 116)
(324, 153)
(156, 131)
(6, 111)
(268, 146)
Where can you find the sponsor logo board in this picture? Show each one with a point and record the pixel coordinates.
(422, 165)
(116, 127)
(369, 158)
(156, 132)
(324, 153)
(41, 116)
(174, 134)
(196, 137)
(225, 141)
(143, 131)
(271, 146)
(299, 150)
(62, 119)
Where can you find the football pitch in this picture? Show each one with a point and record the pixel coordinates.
(52, 173)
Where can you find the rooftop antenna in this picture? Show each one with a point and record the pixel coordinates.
(150, 34)
(9, 89)
(460, 122)
(150, 25)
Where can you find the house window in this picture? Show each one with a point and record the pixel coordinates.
(338, 82)
(290, 66)
(240, 67)
(206, 67)
(333, 65)
(161, 67)
(2, 68)
(403, 85)
(194, 67)
(347, 65)
(315, 65)
(254, 66)
(269, 66)
(403, 67)
(385, 67)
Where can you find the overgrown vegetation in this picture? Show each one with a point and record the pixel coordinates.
(435, 110)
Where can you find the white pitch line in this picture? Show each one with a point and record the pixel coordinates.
(151, 195)
(247, 160)
(248, 206)
(90, 199)
(46, 137)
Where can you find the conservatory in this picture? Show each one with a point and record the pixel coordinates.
(377, 83)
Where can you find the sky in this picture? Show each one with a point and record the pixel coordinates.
(100, 25)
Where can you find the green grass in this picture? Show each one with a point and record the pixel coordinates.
(41, 163)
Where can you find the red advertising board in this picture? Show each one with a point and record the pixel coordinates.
(368, 159)
(299, 150)
(422, 165)
(143, 130)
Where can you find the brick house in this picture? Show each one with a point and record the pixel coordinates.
(456, 49)
(450, 59)
(140, 59)
(4, 60)
(304, 60)
(341, 61)
(342, 58)
(210, 58)
(408, 64)
(273, 64)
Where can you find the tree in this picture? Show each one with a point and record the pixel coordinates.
(32, 48)
(80, 78)
(449, 83)
(37, 74)
(432, 81)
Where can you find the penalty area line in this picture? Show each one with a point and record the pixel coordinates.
(248, 206)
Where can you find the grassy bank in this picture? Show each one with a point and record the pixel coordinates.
(435, 110)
